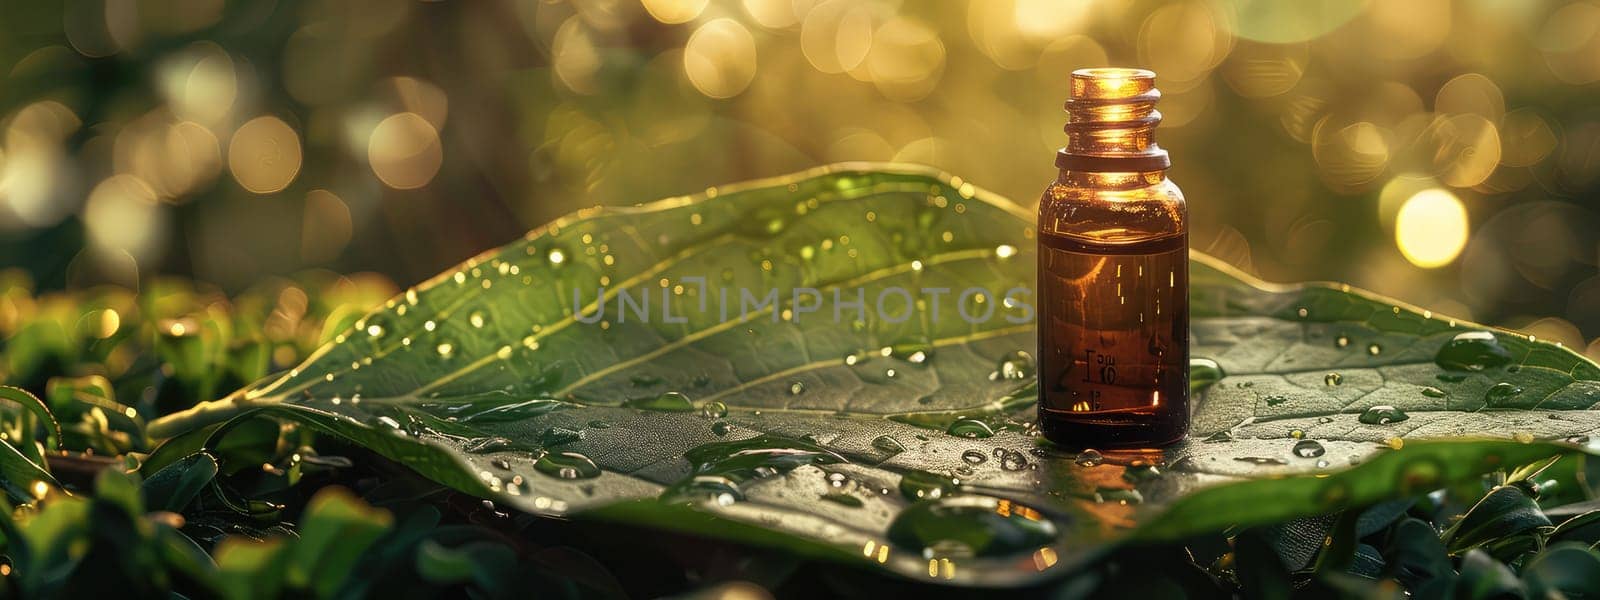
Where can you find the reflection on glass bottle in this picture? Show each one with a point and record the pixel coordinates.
(1113, 274)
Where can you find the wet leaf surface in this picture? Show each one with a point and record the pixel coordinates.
(897, 442)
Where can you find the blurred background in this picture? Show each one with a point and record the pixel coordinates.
(1444, 153)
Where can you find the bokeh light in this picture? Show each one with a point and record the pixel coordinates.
(674, 11)
(264, 155)
(720, 58)
(1431, 228)
(404, 151)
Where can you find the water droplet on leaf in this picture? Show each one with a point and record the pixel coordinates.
(970, 428)
(971, 525)
(1089, 458)
(566, 465)
(1472, 351)
(667, 402)
(1308, 449)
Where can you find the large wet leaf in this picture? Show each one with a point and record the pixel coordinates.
(900, 442)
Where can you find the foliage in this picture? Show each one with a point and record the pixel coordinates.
(127, 480)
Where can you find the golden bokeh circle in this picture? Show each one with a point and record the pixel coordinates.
(123, 214)
(1431, 228)
(1470, 93)
(1466, 149)
(264, 155)
(404, 151)
(720, 58)
(1183, 42)
(673, 12)
(906, 60)
(1526, 138)
(1257, 70)
(1278, 22)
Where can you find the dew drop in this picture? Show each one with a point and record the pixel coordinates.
(974, 457)
(1374, 349)
(888, 444)
(970, 525)
(1332, 379)
(970, 428)
(1015, 365)
(667, 402)
(1309, 449)
(1204, 372)
(1499, 393)
(1433, 392)
(714, 410)
(721, 428)
(1341, 341)
(796, 388)
(446, 350)
(1472, 351)
(1382, 414)
(476, 319)
(567, 465)
(1089, 458)
(1013, 460)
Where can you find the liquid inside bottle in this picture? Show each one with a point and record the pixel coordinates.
(1113, 275)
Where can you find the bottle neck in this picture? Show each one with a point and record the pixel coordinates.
(1111, 123)
(1115, 180)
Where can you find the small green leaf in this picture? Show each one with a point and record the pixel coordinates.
(36, 407)
(336, 530)
(1484, 578)
(1415, 556)
(250, 569)
(23, 479)
(1507, 511)
(1563, 570)
(1583, 528)
(173, 487)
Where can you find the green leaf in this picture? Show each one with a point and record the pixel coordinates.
(250, 569)
(36, 407)
(23, 479)
(173, 487)
(1563, 570)
(1583, 528)
(1482, 577)
(336, 529)
(1505, 512)
(783, 427)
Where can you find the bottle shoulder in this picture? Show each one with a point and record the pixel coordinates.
(1120, 214)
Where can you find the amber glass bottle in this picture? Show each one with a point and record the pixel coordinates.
(1113, 274)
